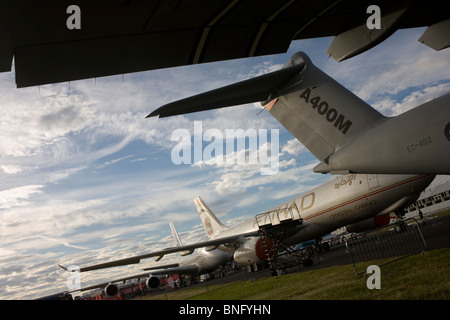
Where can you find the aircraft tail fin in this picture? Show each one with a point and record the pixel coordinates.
(316, 109)
(177, 240)
(321, 113)
(176, 237)
(211, 223)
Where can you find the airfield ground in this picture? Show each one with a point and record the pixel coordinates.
(418, 277)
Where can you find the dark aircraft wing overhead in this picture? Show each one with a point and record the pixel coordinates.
(123, 36)
(210, 244)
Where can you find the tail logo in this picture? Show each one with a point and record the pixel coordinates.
(324, 109)
(208, 226)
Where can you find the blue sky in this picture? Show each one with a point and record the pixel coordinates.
(85, 177)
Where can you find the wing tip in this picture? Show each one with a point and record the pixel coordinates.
(62, 267)
(153, 114)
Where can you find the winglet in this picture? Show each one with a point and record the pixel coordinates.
(178, 242)
(62, 267)
(175, 235)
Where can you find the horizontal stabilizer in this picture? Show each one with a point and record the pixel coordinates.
(317, 110)
(248, 91)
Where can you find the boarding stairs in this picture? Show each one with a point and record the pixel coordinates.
(274, 227)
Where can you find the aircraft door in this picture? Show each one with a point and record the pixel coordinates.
(372, 181)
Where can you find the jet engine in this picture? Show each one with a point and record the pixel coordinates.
(254, 250)
(153, 282)
(111, 290)
(367, 224)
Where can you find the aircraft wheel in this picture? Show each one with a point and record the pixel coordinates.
(255, 267)
(400, 227)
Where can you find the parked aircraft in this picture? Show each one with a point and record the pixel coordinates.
(343, 201)
(341, 130)
(203, 262)
(111, 288)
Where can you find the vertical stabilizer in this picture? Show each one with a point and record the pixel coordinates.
(211, 223)
(319, 112)
(175, 235)
(177, 240)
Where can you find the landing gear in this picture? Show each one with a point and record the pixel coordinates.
(400, 227)
(321, 246)
(252, 267)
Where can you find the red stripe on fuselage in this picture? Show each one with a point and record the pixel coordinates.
(367, 195)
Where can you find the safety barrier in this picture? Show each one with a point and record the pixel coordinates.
(392, 242)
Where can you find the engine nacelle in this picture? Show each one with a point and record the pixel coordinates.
(254, 251)
(111, 290)
(367, 224)
(153, 282)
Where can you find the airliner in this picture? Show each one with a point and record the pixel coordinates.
(350, 200)
(202, 262)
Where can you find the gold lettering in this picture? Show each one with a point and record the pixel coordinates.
(308, 201)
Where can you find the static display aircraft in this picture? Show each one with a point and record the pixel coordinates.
(341, 130)
(346, 200)
(203, 262)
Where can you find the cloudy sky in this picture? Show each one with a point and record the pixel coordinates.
(85, 177)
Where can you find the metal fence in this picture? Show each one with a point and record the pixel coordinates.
(391, 242)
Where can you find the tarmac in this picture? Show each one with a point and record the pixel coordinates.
(435, 231)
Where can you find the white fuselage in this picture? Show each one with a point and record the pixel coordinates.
(342, 201)
(207, 261)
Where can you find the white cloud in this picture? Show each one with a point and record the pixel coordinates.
(293, 147)
(11, 169)
(391, 107)
(18, 196)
